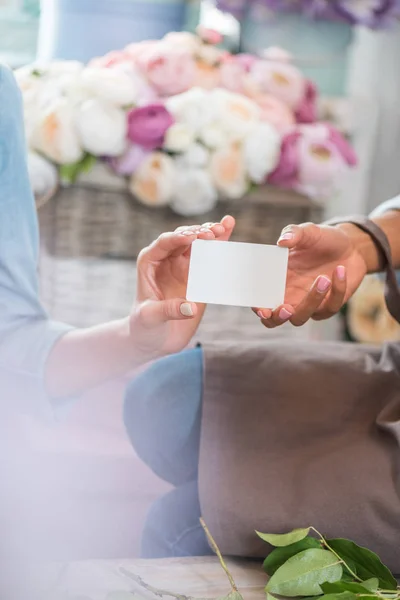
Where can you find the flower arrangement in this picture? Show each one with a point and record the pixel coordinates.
(184, 121)
(375, 14)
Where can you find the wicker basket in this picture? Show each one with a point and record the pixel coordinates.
(86, 222)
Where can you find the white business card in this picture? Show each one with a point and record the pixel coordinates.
(237, 274)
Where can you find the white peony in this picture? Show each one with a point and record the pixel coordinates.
(213, 135)
(195, 156)
(261, 150)
(42, 174)
(194, 193)
(179, 137)
(228, 172)
(55, 134)
(236, 114)
(194, 108)
(154, 181)
(113, 85)
(101, 128)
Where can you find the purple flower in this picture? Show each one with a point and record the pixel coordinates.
(148, 125)
(130, 161)
(237, 8)
(287, 172)
(371, 13)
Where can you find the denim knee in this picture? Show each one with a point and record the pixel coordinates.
(162, 414)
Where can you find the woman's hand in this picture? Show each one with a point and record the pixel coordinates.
(162, 321)
(325, 269)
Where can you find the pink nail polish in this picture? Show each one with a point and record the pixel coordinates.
(187, 233)
(286, 236)
(323, 284)
(341, 273)
(260, 314)
(284, 314)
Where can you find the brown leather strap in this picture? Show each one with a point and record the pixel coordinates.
(392, 290)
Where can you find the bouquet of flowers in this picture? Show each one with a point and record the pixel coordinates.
(375, 14)
(184, 122)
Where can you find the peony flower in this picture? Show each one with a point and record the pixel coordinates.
(307, 111)
(233, 74)
(170, 70)
(55, 134)
(194, 108)
(206, 76)
(196, 156)
(148, 125)
(183, 40)
(154, 182)
(236, 114)
(228, 171)
(101, 127)
(213, 136)
(280, 79)
(194, 194)
(275, 112)
(179, 138)
(112, 85)
(261, 150)
(130, 161)
(286, 172)
(112, 59)
(209, 36)
(42, 174)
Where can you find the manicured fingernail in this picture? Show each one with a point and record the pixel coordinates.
(188, 233)
(205, 230)
(323, 284)
(284, 314)
(186, 309)
(260, 314)
(286, 236)
(341, 273)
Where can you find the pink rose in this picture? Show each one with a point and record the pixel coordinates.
(286, 173)
(148, 125)
(130, 161)
(307, 111)
(170, 70)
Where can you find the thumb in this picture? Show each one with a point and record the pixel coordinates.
(153, 312)
(300, 236)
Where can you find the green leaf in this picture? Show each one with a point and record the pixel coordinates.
(340, 596)
(70, 173)
(280, 555)
(344, 586)
(365, 563)
(371, 584)
(285, 539)
(303, 573)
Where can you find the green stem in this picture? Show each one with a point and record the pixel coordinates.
(325, 543)
(214, 546)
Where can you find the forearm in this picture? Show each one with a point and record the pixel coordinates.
(389, 222)
(85, 358)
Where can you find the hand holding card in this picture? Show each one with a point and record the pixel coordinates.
(237, 274)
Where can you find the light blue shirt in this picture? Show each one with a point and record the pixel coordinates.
(26, 333)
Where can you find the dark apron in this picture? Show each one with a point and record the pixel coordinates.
(303, 434)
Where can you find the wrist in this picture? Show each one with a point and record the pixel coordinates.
(365, 246)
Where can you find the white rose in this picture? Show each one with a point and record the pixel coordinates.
(179, 138)
(42, 174)
(55, 134)
(101, 127)
(154, 181)
(261, 150)
(112, 85)
(193, 108)
(228, 171)
(194, 194)
(195, 156)
(236, 114)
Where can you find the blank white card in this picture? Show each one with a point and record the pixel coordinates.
(237, 274)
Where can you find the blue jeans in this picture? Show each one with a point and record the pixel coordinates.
(162, 416)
